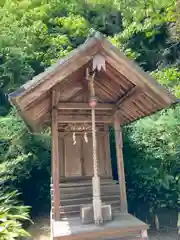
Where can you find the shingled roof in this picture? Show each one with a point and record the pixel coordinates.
(124, 85)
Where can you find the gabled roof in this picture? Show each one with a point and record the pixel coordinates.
(123, 84)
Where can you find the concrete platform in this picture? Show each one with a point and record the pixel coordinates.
(122, 225)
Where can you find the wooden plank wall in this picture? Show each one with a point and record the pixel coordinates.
(76, 160)
(72, 156)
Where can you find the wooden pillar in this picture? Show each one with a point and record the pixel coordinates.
(96, 179)
(107, 151)
(120, 164)
(55, 158)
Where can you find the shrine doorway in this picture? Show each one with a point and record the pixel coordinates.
(76, 155)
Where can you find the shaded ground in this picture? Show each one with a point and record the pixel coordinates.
(40, 230)
(170, 235)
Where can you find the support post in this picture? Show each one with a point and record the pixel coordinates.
(107, 151)
(120, 164)
(55, 158)
(96, 180)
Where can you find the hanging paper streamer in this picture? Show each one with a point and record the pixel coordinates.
(74, 138)
(85, 137)
(99, 63)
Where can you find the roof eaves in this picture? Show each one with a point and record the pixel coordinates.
(50, 70)
(153, 84)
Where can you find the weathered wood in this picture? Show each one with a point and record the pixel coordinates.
(120, 163)
(81, 133)
(72, 156)
(123, 117)
(155, 98)
(69, 75)
(106, 87)
(55, 157)
(118, 78)
(131, 93)
(71, 93)
(107, 151)
(132, 71)
(66, 67)
(84, 119)
(85, 106)
(61, 155)
(97, 210)
(122, 226)
(139, 105)
(136, 112)
(108, 94)
(82, 157)
(42, 107)
(76, 95)
(101, 155)
(111, 85)
(87, 152)
(127, 113)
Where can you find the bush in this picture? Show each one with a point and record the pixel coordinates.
(152, 160)
(11, 216)
(25, 162)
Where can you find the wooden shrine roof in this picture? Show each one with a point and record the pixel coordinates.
(123, 86)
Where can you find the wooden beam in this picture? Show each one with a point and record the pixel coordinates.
(85, 106)
(133, 72)
(120, 163)
(84, 83)
(105, 91)
(84, 119)
(129, 95)
(123, 66)
(126, 112)
(112, 85)
(76, 95)
(107, 151)
(55, 156)
(106, 85)
(118, 78)
(100, 94)
(135, 107)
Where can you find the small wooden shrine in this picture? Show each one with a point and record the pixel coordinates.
(79, 97)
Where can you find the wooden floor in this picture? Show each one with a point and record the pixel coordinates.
(122, 225)
(40, 230)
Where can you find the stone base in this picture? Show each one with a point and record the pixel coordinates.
(87, 214)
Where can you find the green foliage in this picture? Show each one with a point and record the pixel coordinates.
(152, 156)
(147, 30)
(24, 161)
(11, 216)
(170, 78)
